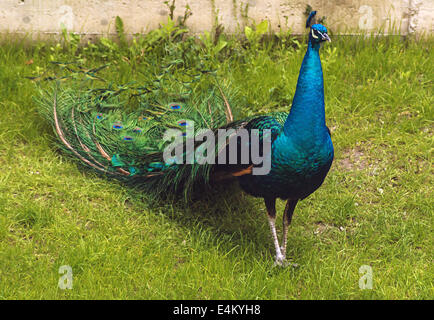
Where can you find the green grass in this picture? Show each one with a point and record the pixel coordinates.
(375, 207)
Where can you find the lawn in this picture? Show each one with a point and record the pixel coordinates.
(375, 208)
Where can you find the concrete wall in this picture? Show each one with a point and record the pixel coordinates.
(98, 16)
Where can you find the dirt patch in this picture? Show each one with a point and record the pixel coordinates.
(428, 130)
(353, 159)
(321, 227)
(408, 114)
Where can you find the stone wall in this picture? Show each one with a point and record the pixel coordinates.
(95, 17)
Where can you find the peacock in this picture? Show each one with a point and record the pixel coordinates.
(167, 143)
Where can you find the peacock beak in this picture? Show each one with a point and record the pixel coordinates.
(325, 37)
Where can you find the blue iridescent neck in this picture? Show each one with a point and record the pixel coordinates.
(307, 112)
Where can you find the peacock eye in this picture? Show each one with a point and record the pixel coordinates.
(175, 106)
(117, 125)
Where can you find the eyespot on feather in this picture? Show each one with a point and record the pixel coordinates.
(175, 106)
(117, 125)
(132, 171)
(155, 166)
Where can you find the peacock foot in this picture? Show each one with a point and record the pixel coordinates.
(282, 262)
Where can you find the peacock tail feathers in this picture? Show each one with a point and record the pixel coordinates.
(118, 130)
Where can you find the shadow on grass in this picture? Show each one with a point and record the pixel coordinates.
(225, 210)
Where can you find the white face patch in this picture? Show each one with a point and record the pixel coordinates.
(314, 35)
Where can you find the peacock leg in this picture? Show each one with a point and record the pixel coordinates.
(287, 217)
(271, 210)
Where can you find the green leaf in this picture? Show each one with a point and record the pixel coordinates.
(180, 31)
(220, 45)
(64, 32)
(206, 38)
(108, 43)
(119, 25)
(249, 33)
(262, 27)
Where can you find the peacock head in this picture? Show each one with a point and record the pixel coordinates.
(318, 33)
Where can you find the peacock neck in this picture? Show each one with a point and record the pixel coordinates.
(307, 112)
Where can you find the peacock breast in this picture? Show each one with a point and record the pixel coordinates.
(298, 168)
